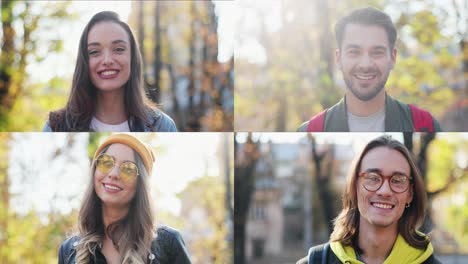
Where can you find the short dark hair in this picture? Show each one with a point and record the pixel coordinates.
(366, 16)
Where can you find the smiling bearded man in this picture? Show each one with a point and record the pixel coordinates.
(366, 54)
(383, 206)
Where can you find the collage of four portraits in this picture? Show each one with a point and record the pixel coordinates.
(246, 132)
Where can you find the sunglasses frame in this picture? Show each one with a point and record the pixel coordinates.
(96, 161)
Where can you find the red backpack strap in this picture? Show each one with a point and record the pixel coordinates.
(316, 122)
(422, 119)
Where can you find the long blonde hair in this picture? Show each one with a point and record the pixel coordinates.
(131, 235)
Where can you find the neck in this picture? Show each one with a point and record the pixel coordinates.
(364, 108)
(376, 242)
(113, 214)
(110, 107)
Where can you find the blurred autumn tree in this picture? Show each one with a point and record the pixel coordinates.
(206, 225)
(179, 43)
(25, 25)
(32, 236)
(285, 70)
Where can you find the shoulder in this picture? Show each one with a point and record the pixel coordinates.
(54, 121)
(46, 127)
(303, 127)
(160, 122)
(168, 233)
(316, 254)
(432, 260)
(314, 124)
(421, 119)
(169, 247)
(67, 249)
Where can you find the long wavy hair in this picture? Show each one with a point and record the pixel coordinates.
(346, 224)
(131, 235)
(81, 105)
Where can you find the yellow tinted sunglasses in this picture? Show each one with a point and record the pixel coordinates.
(128, 170)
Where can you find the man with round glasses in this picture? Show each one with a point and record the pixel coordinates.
(383, 206)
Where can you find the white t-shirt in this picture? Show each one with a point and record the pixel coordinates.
(371, 123)
(99, 126)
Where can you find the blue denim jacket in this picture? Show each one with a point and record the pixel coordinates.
(167, 247)
(159, 122)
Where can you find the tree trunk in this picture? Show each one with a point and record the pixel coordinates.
(322, 183)
(426, 139)
(7, 58)
(193, 122)
(325, 67)
(244, 179)
(156, 87)
(141, 31)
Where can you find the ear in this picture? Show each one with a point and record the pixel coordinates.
(410, 194)
(393, 56)
(337, 57)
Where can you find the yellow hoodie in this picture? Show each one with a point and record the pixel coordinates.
(402, 253)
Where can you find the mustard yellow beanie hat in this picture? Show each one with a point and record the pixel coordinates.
(141, 148)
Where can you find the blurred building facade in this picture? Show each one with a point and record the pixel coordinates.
(278, 224)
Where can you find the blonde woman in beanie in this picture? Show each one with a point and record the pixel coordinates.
(115, 221)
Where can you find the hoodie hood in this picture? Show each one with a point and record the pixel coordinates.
(401, 253)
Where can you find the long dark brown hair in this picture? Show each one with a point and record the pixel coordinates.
(347, 223)
(131, 235)
(81, 105)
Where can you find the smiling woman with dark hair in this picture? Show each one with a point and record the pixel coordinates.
(116, 223)
(107, 89)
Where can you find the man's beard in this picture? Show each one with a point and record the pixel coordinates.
(373, 91)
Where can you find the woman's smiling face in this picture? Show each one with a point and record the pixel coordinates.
(110, 188)
(109, 55)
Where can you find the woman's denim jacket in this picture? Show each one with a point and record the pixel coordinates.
(158, 122)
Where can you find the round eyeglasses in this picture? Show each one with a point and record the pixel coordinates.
(127, 170)
(372, 181)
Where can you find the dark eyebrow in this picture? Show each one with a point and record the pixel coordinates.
(380, 171)
(94, 44)
(119, 41)
(352, 46)
(380, 48)
(374, 170)
(113, 42)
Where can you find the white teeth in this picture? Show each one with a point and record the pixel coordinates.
(381, 205)
(107, 73)
(364, 77)
(112, 187)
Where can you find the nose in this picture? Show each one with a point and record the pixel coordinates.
(365, 61)
(114, 173)
(385, 189)
(107, 58)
